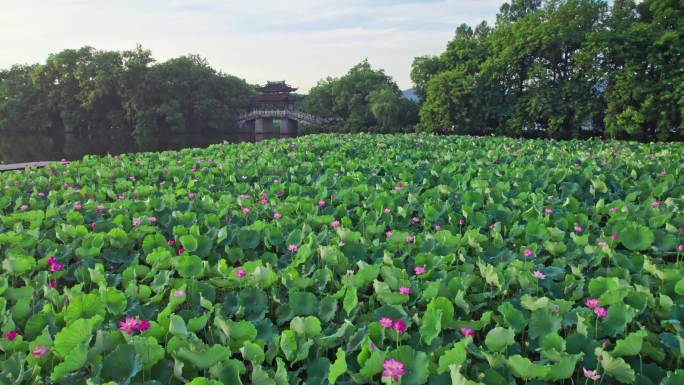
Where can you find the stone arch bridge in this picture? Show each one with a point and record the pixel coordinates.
(261, 121)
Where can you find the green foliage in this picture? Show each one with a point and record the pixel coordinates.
(85, 91)
(560, 69)
(315, 316)
(363, 99)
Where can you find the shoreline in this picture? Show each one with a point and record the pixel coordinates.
(23, 166)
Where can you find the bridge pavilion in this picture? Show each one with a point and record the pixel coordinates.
(276, 102)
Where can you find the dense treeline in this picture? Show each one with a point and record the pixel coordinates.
(561, 69)
(364, 99)
(88, 91)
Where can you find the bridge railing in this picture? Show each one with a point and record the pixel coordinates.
(289, 114)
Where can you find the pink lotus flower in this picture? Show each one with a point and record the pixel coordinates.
(403, 290)
(277, 216)
(240, 272)
(41, 194)
(528, 253)
(245, 210)
(461, 221)
(340, 243)
(143, 325)
(438, 227)
(681, 229)
(152, 219)
(600, 312)
(321, 203)
(415, 220)
(399, 326)
(178, 293)
(55, 266)
(591, 374)
(263, 201)
(468, 332)
(613, 209)
(614, 237)
(655, 204)
(93, 226)
(386, 322)
(181, 250)
(264, 195)
(386, 210)
(11, 335)
(99, 208)
(578, 229)
(191, 195)
(409, 238)
(539, 275)
(39, 351)
(399, 186)
(335, 224)
(77, 207)
(23, 207)
(592, 303)
(121, 197)
(388, 233)
(52, 283)
(393, 368)
(680, 247)
(293, 248)
(419, 270)
(170, 242)
(244, 196)
(130, 324)
(548, 212)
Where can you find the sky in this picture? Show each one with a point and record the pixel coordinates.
(301, 41)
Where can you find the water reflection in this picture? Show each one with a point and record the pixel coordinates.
(16, 148)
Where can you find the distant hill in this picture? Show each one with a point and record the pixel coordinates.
(410, 94)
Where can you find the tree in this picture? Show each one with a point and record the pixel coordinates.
(384, 105)
(423, 69)
(22, 106)
(362, 99)
(516, 10)
(645, 57)
(186, 95)
(561, 69)
(87, 91)
(453, 104)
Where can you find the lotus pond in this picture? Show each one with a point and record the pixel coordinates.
(348, 259)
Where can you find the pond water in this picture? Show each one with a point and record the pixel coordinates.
(19, 148)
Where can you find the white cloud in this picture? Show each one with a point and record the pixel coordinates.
(301, 41)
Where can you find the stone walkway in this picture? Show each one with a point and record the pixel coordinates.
(21, 166)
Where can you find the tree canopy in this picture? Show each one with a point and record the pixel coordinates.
(86, 91)
(363, 99)
(560, 69)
